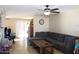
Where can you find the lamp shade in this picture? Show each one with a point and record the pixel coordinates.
(47, 12)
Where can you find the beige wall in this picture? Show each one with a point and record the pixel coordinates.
(67, 22)
(10, 23)
(38, 27)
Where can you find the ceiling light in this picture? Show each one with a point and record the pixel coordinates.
(47, 12)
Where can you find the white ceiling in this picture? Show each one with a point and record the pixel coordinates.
(28, 11)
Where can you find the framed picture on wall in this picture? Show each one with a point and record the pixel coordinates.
(41, 21)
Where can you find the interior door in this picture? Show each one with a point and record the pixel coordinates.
(31, 28)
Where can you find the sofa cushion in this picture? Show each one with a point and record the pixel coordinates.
(49, 39)
(55, 42)
(57, 36)
(41, 34)
(53, 36)
(69, 38)
(60, 37)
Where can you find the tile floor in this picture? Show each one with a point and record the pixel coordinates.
(20, 47)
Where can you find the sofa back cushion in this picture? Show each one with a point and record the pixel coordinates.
(57, 36)
(60, 37)
(52, 35)
(41, 34)
(69, 38)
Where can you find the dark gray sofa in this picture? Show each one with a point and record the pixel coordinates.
(63, 42)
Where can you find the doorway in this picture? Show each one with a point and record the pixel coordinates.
(21, 31)
(24, 29)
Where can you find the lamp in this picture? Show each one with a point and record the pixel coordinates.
(47, 12)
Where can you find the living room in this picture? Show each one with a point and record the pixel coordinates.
(61, 24)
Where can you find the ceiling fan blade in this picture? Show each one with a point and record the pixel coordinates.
(55, 12)
(54, 9)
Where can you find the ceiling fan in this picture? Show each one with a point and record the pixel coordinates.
(48, 11)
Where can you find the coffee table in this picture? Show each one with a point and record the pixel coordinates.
(42, 45)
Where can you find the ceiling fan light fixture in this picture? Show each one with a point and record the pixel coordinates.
(47, 13)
